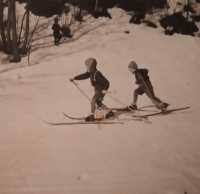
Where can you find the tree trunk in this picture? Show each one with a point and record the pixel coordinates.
(79, 18)
(3, 37)
(8, 29)
(187, 10)
(96, 5)
(24, 46)
(20, 32)
(16, 56)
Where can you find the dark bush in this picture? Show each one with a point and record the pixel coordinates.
(176, 23)
(188, 8)
(46, 8)
(102, 13)
(66, 32)
(136, 18)
(196, 18)
(190, 28)
(141, 5)
(107, 3)
(151, 24)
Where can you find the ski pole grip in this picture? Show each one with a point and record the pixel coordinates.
(75, 83)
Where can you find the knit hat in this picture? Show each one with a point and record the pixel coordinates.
(56, 19)
(91, 64)
(132, 65)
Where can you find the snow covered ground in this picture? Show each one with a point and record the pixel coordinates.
(131, 158)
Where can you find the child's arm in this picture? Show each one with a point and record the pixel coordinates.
(82, 76)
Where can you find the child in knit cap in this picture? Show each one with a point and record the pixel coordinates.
(57, 32)
(145, 86)
(100, 84)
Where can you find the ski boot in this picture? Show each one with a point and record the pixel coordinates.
(131, 107)
(99, 108)
(56, 43)
(109, 114)
(165, 105)
(89, 118)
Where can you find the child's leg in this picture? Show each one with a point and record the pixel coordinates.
(57, 42)
(100, 104)
(54, 39)
(133, 106)
(93, 105)
(150, 93)
(59, 37)
(99, 96)
(138, 91)
(135, 97)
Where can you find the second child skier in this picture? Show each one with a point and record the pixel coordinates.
(100, 84)
(145, 86)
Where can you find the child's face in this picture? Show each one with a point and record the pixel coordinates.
(90, 70)
(132, 70)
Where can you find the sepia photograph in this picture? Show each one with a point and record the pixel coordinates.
(99, 97)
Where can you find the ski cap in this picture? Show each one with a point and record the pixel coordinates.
(91, 64)
(132, 66)
(56, 19)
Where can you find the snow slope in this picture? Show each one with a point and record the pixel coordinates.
(158, 158)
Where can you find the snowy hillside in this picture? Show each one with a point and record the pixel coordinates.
(161, 157)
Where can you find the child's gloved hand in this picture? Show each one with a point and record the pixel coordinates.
(71, 79)
(104, 92)
(138, 82)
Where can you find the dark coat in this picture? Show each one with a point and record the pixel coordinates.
(98, 81)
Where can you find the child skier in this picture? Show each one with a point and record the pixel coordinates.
(56, 32)
(145, 86)
(100, 84)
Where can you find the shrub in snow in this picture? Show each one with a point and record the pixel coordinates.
(45, 8)
(66, 32)
(149, 23)
(103, 13)
(176, 23)
(136, 18)
(196, 18)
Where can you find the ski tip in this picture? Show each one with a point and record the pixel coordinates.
(49, 123)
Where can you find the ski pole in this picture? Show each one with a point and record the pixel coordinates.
(127, 106)
(81, 90)
(110, 92)
(116, 99)
(120, 102)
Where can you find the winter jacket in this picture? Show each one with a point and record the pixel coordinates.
(96, 78)
(56, 28)
(143, 73)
